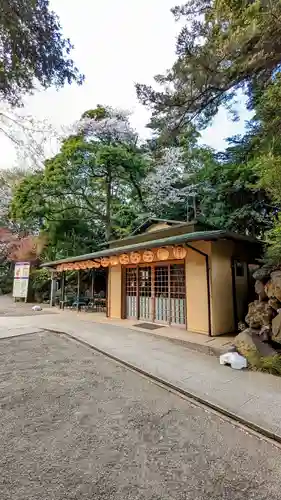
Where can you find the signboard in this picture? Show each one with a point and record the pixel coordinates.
(21, 278)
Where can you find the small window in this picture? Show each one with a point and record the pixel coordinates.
(239, 269)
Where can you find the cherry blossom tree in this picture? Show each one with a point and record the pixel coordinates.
(169, 183)
(34, 140)
(97, 173)
(9, 179)
(107, 124)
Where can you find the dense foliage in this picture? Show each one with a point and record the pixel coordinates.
(104, 181)
(32, 49)
(91, 190)
(33, 52)
(224, 46)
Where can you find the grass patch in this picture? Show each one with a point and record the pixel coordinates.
(269, 364)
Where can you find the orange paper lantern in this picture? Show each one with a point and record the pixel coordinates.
(163, 254)
(81, 265)
(89, 264)
(124, 259)
(105, 261)
(179, 252)
(114, 260)
(148, 256)
(96, 264)
(135, 257)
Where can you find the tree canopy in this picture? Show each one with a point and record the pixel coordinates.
(32, 49)
(224, 46)
(104, 179)
(91, 190)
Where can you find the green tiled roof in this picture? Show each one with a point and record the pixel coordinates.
(171, 240)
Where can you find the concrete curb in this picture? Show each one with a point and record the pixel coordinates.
(248, 424)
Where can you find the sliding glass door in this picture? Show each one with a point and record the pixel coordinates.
(156, 293)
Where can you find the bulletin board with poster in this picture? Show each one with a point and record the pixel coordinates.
(21, 279)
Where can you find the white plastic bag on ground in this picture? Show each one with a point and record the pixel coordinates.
(235, 360)
(36, 308)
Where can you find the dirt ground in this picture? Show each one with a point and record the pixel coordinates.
(77, 426)
(10, 307)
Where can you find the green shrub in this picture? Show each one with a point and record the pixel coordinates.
(6, 279)
(269, 364)
(39, 286)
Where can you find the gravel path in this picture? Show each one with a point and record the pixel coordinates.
(77, 426)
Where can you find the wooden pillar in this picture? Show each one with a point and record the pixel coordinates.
(62, 287)
(53, 284)
(169, 296)
(78, 289)
(153, 298)
(93, 284)
(107, 292)
(137, 292)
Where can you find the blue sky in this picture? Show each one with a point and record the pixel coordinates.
(117, 43)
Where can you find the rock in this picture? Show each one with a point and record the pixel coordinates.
(268, 288)
(273, 287)
(231, 348)
(250, 345)
(263, 273)
(260, 290)
(274, 303)
(259, 314)
(276, 328)
(265, 333)
(241, 326)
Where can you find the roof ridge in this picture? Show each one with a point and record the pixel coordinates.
(170, 240)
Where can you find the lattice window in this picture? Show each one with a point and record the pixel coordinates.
(177, 281)
(177, 294)
(145, 281)
(131, 292)
(131, 281)
(161, 281)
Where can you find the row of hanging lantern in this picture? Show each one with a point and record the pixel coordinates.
(147, 256)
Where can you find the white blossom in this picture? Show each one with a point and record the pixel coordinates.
(114, 127)
(168, 183)
(34, 140)
(9, 178)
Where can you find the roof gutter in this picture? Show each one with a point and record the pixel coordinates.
(171, 240)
